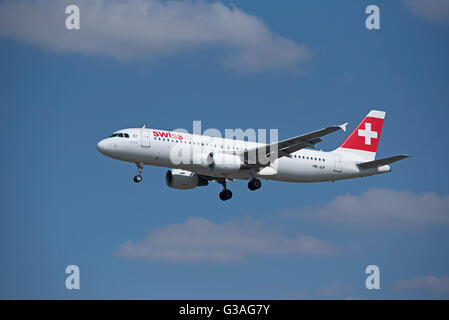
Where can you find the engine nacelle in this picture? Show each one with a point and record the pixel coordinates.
(224, 162)
(183, 179)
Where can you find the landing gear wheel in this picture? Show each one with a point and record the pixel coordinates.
(254, 184)
(138, 178)
(226, 194)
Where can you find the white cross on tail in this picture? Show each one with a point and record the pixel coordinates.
(367, 133)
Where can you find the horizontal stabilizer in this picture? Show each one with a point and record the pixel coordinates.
(381, 162)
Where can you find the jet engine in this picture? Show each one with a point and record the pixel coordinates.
(183, 179)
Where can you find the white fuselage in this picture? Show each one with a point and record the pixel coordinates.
(157, 147)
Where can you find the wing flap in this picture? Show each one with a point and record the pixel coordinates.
(285, 147)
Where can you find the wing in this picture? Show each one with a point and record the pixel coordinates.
(381, 162)
(285, 147)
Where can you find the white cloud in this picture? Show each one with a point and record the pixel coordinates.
(383, 207)
(202, 240)
(148, 29)
(296, 294)
(432, 10)
(428, 283)
(334, 290)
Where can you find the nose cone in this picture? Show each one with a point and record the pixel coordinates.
(102, 146)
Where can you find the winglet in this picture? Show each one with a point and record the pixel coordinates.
(343, 126)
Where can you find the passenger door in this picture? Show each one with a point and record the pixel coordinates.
(145, 138)
(338, 163)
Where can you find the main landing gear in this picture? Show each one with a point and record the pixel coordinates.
(254, 184)
(138, 178)
(226, 194)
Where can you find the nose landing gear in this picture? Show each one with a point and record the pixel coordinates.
(138, 178)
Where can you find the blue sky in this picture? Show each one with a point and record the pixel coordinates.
(310, 65)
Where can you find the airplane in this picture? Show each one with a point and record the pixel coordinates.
(221, 160)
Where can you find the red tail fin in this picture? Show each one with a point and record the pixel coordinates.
(364, 139)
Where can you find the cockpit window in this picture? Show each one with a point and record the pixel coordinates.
(120, 135)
